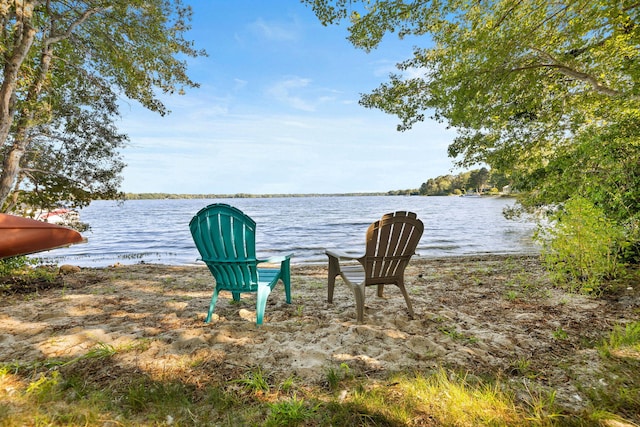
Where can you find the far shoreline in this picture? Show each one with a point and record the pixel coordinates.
(170, 196)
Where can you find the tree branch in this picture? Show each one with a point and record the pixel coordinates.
(570, 72)
(85, 15)
(506, 14)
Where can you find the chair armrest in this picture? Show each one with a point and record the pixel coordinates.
(275, 259)
(341, 255)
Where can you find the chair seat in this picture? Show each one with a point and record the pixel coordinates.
(353, 273)
(268, 275)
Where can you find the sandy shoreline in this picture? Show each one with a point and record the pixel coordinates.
(484, 314)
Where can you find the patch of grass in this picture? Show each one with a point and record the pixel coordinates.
(451, 332)
(99, 351)
(161, 400)
(139, 344)
(522, 367)
(316, 284)
(291, 412)
(254, 381)
(287, 385)
(452, 400)
(623, 338)
(614, 390)
(542, 409)
(45, 388)
(220, 399)
(22, 275)
(511, 295)
(560, 334)
(526, 285)
(335, 376)
(76, 396)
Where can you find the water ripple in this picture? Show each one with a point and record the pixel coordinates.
(157, 231)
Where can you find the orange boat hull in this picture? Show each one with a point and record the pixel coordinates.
(22, 236)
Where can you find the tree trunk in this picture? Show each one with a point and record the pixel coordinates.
(10, 170)
(11, 162)
(7, 96)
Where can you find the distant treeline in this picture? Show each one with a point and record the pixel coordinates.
(481, 181)
(478, 181)
(146, 196)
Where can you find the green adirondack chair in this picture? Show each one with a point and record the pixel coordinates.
(226, 240)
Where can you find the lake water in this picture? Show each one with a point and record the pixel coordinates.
(157, 231)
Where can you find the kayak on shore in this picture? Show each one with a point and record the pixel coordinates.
(23, 236)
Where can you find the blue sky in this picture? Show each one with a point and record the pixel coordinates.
(277, 112)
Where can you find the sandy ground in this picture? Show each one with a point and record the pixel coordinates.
(493, 315)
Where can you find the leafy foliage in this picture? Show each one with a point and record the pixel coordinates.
(15, 265)
(66, 66)
(545, 93)
(76, 155)
(21, 274)
(581, 246)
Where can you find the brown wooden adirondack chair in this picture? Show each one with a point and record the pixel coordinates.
(390, 244)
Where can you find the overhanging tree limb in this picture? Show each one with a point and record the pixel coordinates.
(578, 75)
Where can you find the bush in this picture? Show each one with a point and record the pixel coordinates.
(15, 265)
(20, 270)
(581, 247)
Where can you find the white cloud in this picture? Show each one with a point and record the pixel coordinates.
(239, 83)
(288, 92)
(273, 31)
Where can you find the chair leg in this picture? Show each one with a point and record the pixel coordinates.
(261, 303)
(285, 275)
(236, 296)
(334, 271)
(380, 290)
(212, 305)
(287, 290)
(406, 298)
(358, 291)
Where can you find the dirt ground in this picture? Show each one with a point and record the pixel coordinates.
(495, 315)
